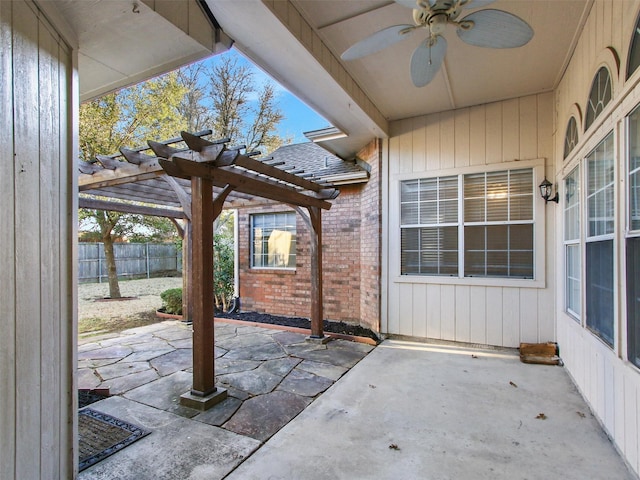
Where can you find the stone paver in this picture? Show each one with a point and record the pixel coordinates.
(121, 385)
(262, 416)
(332, 372)
(164, 394)
(121, 369)
(270, 377)
(173, 362)
(304, 383)
(266, 351)
(221, 413)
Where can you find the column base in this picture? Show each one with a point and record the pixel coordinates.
(319, 340)
(203, 403)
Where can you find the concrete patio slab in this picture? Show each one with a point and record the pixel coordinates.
(411, 410)
(176, 448)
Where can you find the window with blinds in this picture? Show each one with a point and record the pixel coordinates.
(488, 216)
(429, 232)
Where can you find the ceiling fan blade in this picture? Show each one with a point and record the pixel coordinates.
(477, 3)
(407, 3)
(426, 3)
(427, 60)
(376, 42)
(495, 29)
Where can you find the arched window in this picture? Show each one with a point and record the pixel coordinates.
(571, 136)
(599, 96)
(634, 50)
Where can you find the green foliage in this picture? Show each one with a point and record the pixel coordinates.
(172, 301)
(223, 277)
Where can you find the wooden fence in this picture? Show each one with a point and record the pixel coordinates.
(133, 260)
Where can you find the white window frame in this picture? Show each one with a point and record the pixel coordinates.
(573, 243)
(539, 220)
(630, 233)
(252, 242)
(599, 237)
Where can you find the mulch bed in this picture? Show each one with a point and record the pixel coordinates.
(299, 322)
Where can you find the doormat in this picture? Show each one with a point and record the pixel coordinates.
(101, 435)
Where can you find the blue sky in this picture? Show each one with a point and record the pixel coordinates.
(299, 117)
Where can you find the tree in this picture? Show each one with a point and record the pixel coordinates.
(126, 118)
(198, 116)
(238, 110)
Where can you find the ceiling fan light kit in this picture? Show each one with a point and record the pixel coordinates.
(489, 28)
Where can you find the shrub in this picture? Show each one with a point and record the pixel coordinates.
(172, 301)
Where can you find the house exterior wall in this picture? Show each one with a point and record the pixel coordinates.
(37, 192)
(350, 261)
(501, 312)
(609, 382)
(371, 238)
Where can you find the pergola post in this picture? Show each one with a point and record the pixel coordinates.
(315, 216)
(203, 393)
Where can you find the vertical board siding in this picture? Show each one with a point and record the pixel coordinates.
(485, 134)
(7, 240)
(419, 314)
(27, 250)
(49, 239)
(36, 291)
(463, 314)
(477, 135)
(434, 318)
(478, 327)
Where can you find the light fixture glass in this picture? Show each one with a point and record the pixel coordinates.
(546, 188)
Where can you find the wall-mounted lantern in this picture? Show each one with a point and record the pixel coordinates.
(545, 191)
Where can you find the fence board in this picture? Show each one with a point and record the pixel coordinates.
(132, 260)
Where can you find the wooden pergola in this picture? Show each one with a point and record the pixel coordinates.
(194, 183)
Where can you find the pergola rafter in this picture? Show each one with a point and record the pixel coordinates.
(194, 183)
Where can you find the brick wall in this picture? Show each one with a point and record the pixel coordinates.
(351, 258)
(371, 235)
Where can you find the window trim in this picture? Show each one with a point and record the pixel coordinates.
(574, 242)
(251, 243)
(599, 238)
(539, 221)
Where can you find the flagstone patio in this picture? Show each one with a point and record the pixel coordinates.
(270, 376)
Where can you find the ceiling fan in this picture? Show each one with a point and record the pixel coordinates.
(489, 28)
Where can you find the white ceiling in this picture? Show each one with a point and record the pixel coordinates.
(123, 42)
(470, 75)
